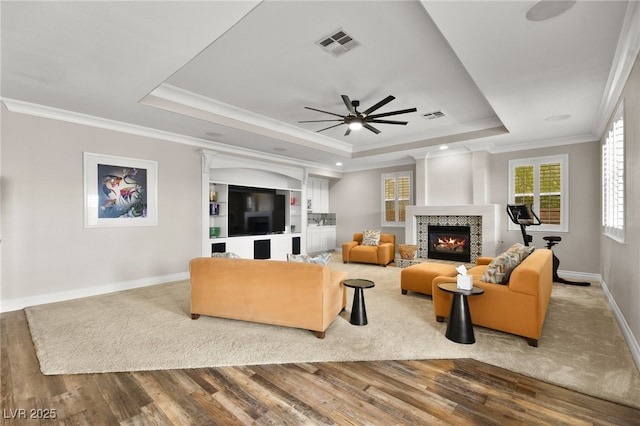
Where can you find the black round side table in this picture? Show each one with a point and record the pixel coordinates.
(459, 326)
(358, 310)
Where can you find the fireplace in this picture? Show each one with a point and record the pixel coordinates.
(449, 243)
(482, 219)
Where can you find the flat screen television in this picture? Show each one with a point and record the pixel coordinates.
(255, 211)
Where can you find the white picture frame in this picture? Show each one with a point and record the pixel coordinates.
(119, 191)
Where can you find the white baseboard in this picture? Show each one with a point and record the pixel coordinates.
(622, 322)
(22, 302)
(624, 326)
(579, 276)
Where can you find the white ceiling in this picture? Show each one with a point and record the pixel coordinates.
(238, 74)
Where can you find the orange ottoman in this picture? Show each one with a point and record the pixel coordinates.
(419, 277)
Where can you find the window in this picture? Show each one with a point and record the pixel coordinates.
(397, 194)
(543, 182)
(613, 178)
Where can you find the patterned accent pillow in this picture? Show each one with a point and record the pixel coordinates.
(521, 250)
(300, 258)
(321, 259)
(226, 254)
(371, 237)
(499, 267)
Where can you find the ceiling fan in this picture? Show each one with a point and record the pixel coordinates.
(356, 119)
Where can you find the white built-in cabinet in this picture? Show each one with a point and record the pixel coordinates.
(321, 238)
(244, 246)
(220, 170)
(318, 193)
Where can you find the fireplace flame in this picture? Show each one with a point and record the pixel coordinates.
(450, 244)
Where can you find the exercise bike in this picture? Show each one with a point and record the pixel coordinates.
(523, 215)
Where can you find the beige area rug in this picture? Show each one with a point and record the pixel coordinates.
(150, 328)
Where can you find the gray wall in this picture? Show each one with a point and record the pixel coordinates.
(620, 263)
(45, 248)
(356, 200)
(579, 249)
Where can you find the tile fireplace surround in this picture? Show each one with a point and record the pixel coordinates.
(483, 219)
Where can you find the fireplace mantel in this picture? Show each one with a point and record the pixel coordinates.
(490, 214)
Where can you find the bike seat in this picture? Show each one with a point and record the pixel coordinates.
(552, 238)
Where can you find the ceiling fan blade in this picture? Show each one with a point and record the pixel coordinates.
(386, 114)
(370, 127)
(387, 121)
(317, 121)
(348, 104)
(326, 112)
(379, 104)
(330, 127)
(348, 131)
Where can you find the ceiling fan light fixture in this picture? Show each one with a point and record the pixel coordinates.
(356, 120)
(355, 124)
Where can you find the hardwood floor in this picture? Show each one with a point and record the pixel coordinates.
(347, 393)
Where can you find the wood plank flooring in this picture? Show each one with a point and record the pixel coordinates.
(458, 392)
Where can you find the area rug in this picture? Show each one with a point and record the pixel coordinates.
(150, 328)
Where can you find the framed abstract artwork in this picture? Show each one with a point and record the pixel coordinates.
(119, 191)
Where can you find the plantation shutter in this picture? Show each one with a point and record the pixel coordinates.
(404, 193)
(550, 187)
(543, 183)
(613, 178)
(397, 195)
(524, 185)
(390, 199)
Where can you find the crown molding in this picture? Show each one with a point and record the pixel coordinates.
(58, 114)
(545, 143)
(181, 101)
(470, 130)
(43, 111)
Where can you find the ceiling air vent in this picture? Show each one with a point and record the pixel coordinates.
(338, 42)
(434, 115)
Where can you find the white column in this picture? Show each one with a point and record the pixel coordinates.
(421, 181)
(480, 167)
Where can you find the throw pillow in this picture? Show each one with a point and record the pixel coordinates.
(226, 254)
(521, 250)
(321, 259)
(371, 237)
(300, 258)
(499, 267)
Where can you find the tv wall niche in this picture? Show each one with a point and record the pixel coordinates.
(247, 200)
(239, 215)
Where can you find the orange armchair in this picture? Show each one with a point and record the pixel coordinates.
(382, 254)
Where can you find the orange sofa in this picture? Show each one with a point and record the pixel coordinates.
(518, 307)
(293, 294)
(382, 254)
